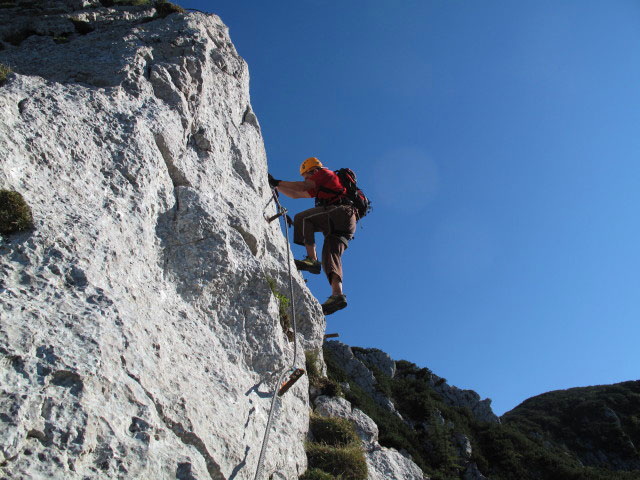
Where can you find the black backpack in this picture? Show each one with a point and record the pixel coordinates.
(356, 196)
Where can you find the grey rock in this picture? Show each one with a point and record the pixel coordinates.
(138, 335)
(472, 473)
(366, 428)
(387, 463)
(463, 445)
(378, 359)
(359, 372)
(455, 396)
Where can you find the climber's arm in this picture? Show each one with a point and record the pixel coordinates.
(296, 189)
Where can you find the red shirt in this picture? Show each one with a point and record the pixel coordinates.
(324, 177)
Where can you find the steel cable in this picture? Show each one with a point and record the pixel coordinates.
(265, 441)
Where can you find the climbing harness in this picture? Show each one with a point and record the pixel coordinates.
(295, 372)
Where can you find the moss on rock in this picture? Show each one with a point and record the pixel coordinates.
(15, 214)
(4, 73)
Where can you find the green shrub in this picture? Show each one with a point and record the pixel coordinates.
(15, 214)
(165, 8)
(127, 3)
(325, 385)
(283, 305)
(316, 474)
(329, 387)
(333, 431)
(4, 73)
(311, 361)
(347, 463)
(62, 38)
(82, 27)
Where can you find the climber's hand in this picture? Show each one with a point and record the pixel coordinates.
(273, 182)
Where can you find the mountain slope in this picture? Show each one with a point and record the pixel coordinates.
(599, 424)
(578, 434)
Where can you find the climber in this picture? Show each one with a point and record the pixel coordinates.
(333, 215)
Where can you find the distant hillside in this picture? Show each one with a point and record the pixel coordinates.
(600, 425)
(579, 434)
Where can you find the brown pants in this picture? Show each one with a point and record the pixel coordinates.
(337, 223)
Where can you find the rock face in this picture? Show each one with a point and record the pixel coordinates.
(376, 359)
(139, 336)
(356, 369)
(457, 397)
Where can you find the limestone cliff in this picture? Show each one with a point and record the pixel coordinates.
(139, 336)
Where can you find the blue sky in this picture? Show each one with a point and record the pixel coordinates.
(499, 142)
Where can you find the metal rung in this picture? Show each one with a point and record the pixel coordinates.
(295, 376)
(276, 216)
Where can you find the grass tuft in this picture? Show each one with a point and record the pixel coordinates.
(311, 361)
(15, 214)
(333, 431)
(4, 74)
(283, 305)
(62, 38)
(325, 385)
(165, 8)
(347, 463)
(316, 474)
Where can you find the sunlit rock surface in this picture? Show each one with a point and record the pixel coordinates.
(139, 337)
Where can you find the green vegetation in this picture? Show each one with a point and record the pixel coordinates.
(324, 385)
(347, 463)
(337, 432)
(15, 214)
(283, 305)
(395, 433)
(600, 418)
(337, 449)
(82, 27)
(541, 439)
(128, 3)
(311, 362)
(165, 8)
(4, 73)
(316, 474)
(62, 38)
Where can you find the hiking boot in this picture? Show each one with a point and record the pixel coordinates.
(334, 303)
(309, 265)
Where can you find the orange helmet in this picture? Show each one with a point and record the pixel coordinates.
(308, 164)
